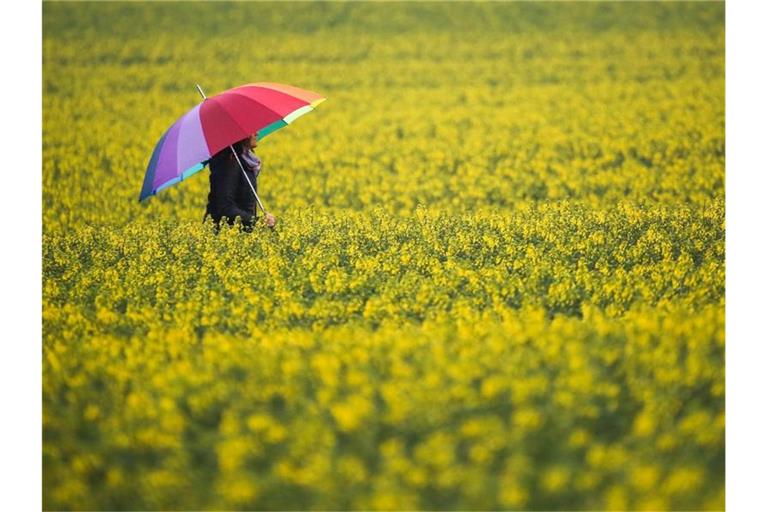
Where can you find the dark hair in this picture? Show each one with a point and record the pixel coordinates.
(226, 153)
(241, 145)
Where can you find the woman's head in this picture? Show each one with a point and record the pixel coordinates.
(248, 143)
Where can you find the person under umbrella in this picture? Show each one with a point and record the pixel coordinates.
(230, 193)
(211, 134)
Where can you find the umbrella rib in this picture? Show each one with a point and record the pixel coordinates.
(266, 107)
(188, 123)
(294, 92)
(147, 188)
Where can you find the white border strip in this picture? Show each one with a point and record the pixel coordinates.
(746, 260)
(21, 357)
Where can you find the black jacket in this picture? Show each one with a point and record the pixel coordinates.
(230, 195)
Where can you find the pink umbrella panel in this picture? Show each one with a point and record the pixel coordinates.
(218, 122)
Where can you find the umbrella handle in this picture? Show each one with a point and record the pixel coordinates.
(200, 90)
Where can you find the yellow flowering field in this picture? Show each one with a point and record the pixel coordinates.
(497, 279)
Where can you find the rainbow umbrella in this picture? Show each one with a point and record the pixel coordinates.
(219, 122)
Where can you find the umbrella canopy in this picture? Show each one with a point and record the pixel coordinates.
(218, 122)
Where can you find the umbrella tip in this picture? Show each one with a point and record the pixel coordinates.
(200, 90)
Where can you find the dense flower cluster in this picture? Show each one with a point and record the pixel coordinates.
(483, 411)
(497, 279)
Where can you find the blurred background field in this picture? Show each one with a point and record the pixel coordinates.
(497, 280)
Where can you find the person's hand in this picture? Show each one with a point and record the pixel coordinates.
(270, 220)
